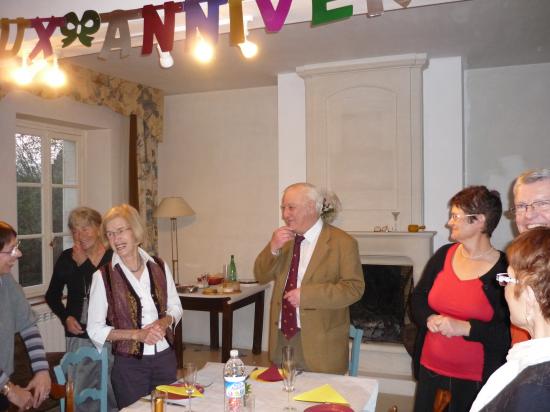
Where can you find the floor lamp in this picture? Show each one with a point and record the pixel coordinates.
(174, 207)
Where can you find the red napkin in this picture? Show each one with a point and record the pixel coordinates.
(271, 374)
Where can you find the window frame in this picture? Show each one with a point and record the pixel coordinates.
(49, 132)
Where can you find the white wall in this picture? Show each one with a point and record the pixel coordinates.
(443, 142)
(220, 155)
(105, 149)
(507, 126)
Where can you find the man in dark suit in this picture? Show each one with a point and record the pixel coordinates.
(318, 275)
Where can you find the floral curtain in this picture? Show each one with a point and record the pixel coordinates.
(126, 98)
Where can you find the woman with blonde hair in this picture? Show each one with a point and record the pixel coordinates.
(523, 382)
(135, 305)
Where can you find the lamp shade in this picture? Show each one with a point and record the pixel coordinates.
(173, 207)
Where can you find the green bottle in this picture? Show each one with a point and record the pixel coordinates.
(232, 270)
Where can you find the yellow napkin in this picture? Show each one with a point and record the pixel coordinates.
(179, 390)
(325, 394)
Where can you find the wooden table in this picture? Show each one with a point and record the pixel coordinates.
(225, 304)
(361, 392)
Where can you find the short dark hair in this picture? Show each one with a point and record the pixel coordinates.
(478, 200)
(529, 256)
(7, 233)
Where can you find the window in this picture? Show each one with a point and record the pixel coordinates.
(48, 170)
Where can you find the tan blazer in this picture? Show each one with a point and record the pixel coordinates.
(332, 282)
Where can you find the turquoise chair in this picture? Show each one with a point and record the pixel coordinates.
(356, 335)
(74, 358)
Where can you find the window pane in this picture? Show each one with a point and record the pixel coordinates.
(60, 243)
(63, 201)
(28, 158)
(30, 265)
(63, 158)
(29, 210)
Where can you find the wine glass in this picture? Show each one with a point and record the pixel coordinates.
(189, 380)
(289, 374)
(395, 216)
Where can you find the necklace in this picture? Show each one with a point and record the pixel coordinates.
(138, 268)
(476, 256)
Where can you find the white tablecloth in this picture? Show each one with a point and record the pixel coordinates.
(360, 392)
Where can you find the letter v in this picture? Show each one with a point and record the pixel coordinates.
(274, 18)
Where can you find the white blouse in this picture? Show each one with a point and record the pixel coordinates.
(97, 328)
(522, 355)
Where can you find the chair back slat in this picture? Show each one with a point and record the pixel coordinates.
(357, 335)
(75, 358)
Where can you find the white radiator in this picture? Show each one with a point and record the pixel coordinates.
(50, 328)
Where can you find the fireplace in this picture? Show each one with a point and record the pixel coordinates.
(388, 361)
(381, 311)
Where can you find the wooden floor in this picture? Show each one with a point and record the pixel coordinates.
(200, 354)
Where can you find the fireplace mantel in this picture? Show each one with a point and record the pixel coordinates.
(401, 248)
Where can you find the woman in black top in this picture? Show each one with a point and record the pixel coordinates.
(74, 268)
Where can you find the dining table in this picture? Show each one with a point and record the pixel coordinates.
(360, 392)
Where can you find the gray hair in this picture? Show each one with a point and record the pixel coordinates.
(312, 192)
(531, 176)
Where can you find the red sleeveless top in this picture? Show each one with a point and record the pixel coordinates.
(463, 300)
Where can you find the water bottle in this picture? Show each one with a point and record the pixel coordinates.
(232, 270)
(234, 378)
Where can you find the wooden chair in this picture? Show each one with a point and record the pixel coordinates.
(74, 358)
(357, 335)
(65, 392)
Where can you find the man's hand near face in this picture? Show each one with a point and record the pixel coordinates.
(280, 237)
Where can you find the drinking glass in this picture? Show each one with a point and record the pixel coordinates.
(189, 380)
(158, 401)
(289, 374)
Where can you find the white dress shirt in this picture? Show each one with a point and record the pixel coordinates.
(97, 328)
(306, 251)
(522, 355)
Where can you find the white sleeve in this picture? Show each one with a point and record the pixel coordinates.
(173, 304)
(97, 327)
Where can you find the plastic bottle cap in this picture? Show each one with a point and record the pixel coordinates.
(234, 353)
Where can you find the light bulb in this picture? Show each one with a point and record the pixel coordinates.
(23, 75)
(203, 51)
(54, 76)
(165, 58)
(248, 49)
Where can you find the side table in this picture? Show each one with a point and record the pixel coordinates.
(225, 304)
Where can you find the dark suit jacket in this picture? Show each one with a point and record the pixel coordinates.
(332, 282)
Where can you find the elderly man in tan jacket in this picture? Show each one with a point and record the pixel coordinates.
(318, 275)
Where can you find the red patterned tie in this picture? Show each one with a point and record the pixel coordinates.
(289, 323)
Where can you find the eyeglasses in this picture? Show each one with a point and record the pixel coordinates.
(115, 233)
(538, 206)
(15, 249)
(504, 278)
(455, 217)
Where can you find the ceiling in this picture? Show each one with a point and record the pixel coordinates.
(486, 33)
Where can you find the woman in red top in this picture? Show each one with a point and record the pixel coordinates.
(459, 308)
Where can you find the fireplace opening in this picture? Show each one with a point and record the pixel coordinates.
(381, 311)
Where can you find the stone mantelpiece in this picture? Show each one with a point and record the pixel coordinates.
(396, 248)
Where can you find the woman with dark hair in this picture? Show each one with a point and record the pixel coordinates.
(135, 305)
(16, 316)
(458, 306)
(522, 384)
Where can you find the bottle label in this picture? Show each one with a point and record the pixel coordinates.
(234, 388)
